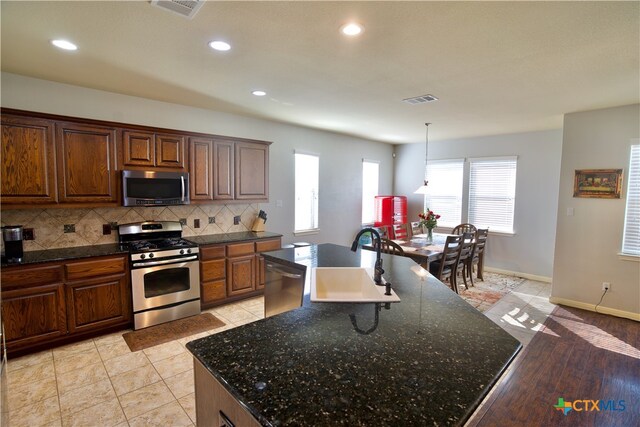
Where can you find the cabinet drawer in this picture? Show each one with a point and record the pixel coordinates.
(212, 252)
(238, 249)
(213, 270)
(103, 267)
(213, 291)
(267, 245)
(26, 276)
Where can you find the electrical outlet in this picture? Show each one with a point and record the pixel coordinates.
(236, 220)
(28, 234)
(606, 286)
(106, 229)
(196, 223)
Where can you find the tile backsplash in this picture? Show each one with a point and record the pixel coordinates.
(49, 224)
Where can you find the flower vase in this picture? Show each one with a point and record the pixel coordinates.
(429, 235)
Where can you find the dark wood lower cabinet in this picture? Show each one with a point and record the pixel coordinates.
(241, 277)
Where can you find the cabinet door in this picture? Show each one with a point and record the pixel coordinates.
(86, 167)
(251, 171)
(223, 177)
(241, 276)
(28, 161)
(33, 315)
(260, 272)
(200, 169)
(97, 303)
(170, 151)
(139, 148)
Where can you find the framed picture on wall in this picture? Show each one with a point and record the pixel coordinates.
(598, 183)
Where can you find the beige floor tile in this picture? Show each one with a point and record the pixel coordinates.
(56, 423)
(245, 321)
(81, 376)
(28, 394)
(164, 351)
(105, 414)
(68, 350)
(29, 360)
(174, 365)
(109, 338)
(233, 314)
(31, 374)
(134, 379)
(145, 399)
(171, 414)
(181, 384)
(188, 403)
(125, 363)
(183, 341)
(77, 360)
(113, 349)
(44, 412)
(85, 397)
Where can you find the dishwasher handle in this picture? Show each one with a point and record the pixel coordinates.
(272, 267)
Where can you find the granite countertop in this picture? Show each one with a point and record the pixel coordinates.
(428, 360)
(65, 254)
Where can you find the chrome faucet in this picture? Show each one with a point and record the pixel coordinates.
(378, 271)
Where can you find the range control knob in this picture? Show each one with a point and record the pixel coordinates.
(181, 251)
(151, 255)
(188, 251)
(143, 256)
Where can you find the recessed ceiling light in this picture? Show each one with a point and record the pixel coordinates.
(219, 45)
(64, 44)
(351, 29)
(259, 93)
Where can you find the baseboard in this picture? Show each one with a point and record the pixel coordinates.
(591, 307)
(519, 274)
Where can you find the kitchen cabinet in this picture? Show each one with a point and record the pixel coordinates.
(201, 169)
(251, 171)
(44, 305)
(223, 178)
(264, 246)
(28, 161)
(213, 275)
(241, 265)
(151, 150)
(86, 163)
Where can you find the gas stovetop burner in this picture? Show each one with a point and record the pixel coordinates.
(172, 243)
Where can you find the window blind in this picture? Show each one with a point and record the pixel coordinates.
(492, 193)
(306, 189)
(631, 239)
(445, 190)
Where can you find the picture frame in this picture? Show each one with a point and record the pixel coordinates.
(598, 183)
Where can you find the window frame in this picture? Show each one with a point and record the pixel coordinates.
(315, 221)
(426, 199)
(373, 214)
(633, 195)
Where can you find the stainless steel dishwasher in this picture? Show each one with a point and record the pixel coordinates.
(283, 289)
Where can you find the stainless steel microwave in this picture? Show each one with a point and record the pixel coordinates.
(150, 188)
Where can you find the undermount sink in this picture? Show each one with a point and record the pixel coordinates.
(347, 284)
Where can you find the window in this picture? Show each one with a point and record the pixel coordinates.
(492, 193)
(631, 237)
(307, 173)
(445, 190)
(370, 171)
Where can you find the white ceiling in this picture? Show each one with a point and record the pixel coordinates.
(497, 67)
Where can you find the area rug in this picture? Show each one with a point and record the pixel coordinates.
(160, 334)
(486, 293)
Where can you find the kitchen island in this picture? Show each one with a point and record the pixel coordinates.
(428, 360)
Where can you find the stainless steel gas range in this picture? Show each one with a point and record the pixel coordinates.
(165, 273)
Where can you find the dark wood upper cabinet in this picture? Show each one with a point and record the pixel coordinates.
(223, 169)
(86, 166)
(28, 171)
(251, 171)
(201, 169)
(139, 148)
(170, 151)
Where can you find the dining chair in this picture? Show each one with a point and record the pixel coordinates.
(444, 268)
(466, 251)
(383, 231)
(478, 252)
(401, 232)
(464, 228)
(390, 247)
(416, 228)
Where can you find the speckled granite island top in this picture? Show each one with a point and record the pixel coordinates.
(232, 237)
(428, 360)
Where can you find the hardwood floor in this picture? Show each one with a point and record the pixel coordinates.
(578, 355)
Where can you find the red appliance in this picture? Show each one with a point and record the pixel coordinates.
(390, 210)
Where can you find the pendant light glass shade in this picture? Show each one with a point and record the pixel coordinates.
(423, 189)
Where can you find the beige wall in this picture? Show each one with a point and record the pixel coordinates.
(588, 243)
(340, 156)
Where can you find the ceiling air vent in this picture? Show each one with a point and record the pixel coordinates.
(185, 8)
(420, 99)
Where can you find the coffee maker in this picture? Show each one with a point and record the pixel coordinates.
(12, 237)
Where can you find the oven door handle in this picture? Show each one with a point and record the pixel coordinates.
(166, 261)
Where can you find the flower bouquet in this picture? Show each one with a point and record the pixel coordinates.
(429, 219)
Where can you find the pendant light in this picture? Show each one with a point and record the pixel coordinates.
(423, 188)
